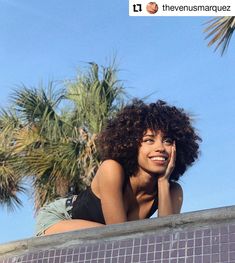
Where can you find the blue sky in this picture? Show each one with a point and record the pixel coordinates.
(166, 56)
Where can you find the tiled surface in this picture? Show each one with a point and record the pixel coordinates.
(211, 245)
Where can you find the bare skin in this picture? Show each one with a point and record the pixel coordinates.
(156, 160)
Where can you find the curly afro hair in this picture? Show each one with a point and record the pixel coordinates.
(122, 136)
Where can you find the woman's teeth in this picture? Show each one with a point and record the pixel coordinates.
(158, 158)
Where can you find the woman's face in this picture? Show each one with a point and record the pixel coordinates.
(154, 152)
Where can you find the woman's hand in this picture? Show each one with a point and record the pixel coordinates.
(170, 166)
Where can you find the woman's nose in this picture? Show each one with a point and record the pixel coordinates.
(159, 146)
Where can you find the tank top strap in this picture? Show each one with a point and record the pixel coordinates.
(154, 208)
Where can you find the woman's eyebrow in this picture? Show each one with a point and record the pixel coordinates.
(150, 135)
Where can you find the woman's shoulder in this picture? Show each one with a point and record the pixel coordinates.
(176, 188)
(111, 163)
(110, 170)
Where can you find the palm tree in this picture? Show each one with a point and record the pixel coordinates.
(97, 96)
(34, 150)
(10, 183)
(221, 30)
(54, 141)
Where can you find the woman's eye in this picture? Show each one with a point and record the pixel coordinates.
(168, 141)
(148, 140)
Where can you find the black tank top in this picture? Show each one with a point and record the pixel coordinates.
(87, 206)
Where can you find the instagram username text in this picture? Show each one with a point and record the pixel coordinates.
(196, 8)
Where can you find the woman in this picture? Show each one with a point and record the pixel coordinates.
(144, 149)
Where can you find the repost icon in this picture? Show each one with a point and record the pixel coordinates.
(142, 8)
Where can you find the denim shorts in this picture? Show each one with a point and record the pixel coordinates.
(51, 214)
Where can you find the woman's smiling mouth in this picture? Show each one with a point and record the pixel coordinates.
(159, 159)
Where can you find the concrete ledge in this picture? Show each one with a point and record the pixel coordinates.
(122, 231)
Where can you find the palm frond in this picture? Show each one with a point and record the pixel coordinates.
(39, 108)
(8, 124)
(11, 184)
(221, 30)
(97, 95)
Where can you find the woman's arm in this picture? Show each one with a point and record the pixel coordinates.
(110, 184)
(170, 198)
(170, 195)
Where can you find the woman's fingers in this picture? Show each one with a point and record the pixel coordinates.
(173, 155)
(171, 164)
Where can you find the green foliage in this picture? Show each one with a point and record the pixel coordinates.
(43, 139)
(10, 183)
(97, 96)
